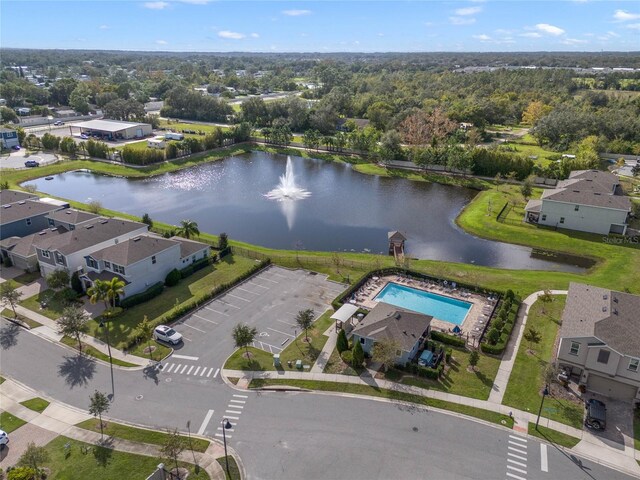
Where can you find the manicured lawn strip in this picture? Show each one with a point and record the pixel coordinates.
(179, 126)
(1, 380)
(553, 436)
(134, 434)
(9, 422)
(459, 380)
(527, 377)
(487, 415)
(233, 468)
(8, 313)
(336, 365)
(27, 278)
(298, 349)
(636, 428)
(123, 327)
(55, 303)
(36, 404)
(92, 352)
(101, 463)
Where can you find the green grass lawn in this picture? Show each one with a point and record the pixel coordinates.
(7, 312)
(36, 404)
(55, 303)
(101, 463)
(9, 422)
(527, 377)
(123, 327)
(92, 352)
(179, 126)
(134, 434)
(487, 415)
(636, 428)
(552, 436)
(336, 365)
(1, 380)
(298, 349)
(234, 472)
(27, 278)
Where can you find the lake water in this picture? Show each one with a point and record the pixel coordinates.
(346, 211)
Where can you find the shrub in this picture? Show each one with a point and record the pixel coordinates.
(493, 336)
(151, 292)
(428, 372)
(186, 271)
(448, 339)
(448, 354)
(347, 357)
(173, 278)
(493, 349)
(509, 295)
(498, 324)
(21, 473)
(76, 284)
(358, 355)
(342, 343)
(200, 264)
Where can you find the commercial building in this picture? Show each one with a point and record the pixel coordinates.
(112, 129)
(9, 137)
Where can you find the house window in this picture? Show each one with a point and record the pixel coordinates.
(92, 263)
(362, 340)
(118, 269)
(51, 222)
(544, 217)
(72, 227)
(603, 356)
(561, 219)
(46, 254)
(575, 348)
(107, 265)
(633, 364)
(577, 207)
(153, 259)
(28, 221)
(398, 353)
(193, 258)
(59, 258)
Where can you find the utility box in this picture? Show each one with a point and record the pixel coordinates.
(276, 360)
(299, 364)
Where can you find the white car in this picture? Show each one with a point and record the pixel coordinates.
(167, 334)
(4, 438)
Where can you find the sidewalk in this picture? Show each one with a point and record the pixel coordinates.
(509, 357)
(59, 419)
(327, 350)
(589, 446)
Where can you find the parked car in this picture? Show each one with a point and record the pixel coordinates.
(84, 137)
(58, 123)
(16, 147)
(4, 438)
(596, 414)
(167, 334)
(31, 163)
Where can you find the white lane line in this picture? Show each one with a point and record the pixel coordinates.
(239, 298)
(544, 461)
(197, 370)
(248, 291)
(283, 333)
(205, 319)
(235, 412)
(227, 304)
(197, 329)
(185, 338)
(205, 422)
(521, 452)
(241, 396)
(192, 367)
(183, 369)
(517, 463)
(203, 371)
(221, 435)
(516, 469)
(287, 323)
(185, 357)
(258, 285)
(519, 457)
(238, 401)
(217, 311)
(517, 477)
(217, 372)
(169, 368)
(210, 370)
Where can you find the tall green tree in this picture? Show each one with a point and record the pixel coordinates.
(342, 343)
(532, 336)
(358, 355)
(98, 292)
(188, 229)
(304, 319)
(243, 336)
(99, 404)
(145, 331)
(474, 357)
(74, 322)
(9, 294)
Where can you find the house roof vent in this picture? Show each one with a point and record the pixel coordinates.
(104, 221)
(21, 202)
(604, 309)
(136, 239)
(605, 296)
(88, 227)
(6, 206)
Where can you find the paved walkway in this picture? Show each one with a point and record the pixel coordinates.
(590, 447)
(59, 419)
(327, 350)
(509, 357)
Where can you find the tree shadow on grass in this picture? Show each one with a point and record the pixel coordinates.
(486, 381)
(252, 365)
(77, 370)
(103, 451)
(9, 336)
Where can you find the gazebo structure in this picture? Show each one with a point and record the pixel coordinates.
(344, 317)
(396, 244)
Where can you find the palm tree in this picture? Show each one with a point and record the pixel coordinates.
(115, 288)
(145, 330)
(98, 292)
(188, 229)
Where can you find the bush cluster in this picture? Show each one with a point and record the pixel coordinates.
(151, 292)
(502, 325)
(448, 339)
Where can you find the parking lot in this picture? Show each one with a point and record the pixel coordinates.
(268, 301)
(16, 159)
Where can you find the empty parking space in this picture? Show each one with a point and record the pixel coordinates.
(268, 301)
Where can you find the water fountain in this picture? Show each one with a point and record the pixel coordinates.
(287, 188)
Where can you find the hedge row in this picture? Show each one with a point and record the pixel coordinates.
(426, 372)
(448, 339)
(151, 292)
(502, 325)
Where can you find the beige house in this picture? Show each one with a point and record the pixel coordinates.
(600, 341)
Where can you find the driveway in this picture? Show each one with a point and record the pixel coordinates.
(17, 159)
(268, 301)
(18, 441)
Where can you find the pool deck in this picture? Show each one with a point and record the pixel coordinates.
(473, 324)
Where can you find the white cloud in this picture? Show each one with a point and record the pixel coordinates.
(482, 37)
(624, 16)
(461, 20)
(381, 34)
(429, 24)
(156, 5)
(634, 26)
(550, 29)
(573, 41)
(161, 42)
(196, 2)
(104, 27)
(613, 34)
(530, 35)
(296, 13)
(468, 11)
(231, 35)
(255, 35)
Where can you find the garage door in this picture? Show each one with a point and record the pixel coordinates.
(610, 388)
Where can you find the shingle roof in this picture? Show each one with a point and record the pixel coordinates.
(611, 316)
(72, 216)
(105, 276)
(106, 125)
(388, 322)
(188, 246)
(395, 235)
(10, 196)
(91, 234)
(133, 250)
(589, 187)
(26, 246)
(17, 211)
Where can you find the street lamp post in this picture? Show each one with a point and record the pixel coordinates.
(545, 392)
(225, 425)
(103, 326)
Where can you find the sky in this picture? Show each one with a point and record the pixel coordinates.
(322, 26)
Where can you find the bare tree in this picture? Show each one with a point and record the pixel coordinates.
(172, 447)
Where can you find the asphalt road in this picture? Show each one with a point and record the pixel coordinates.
(293, 435)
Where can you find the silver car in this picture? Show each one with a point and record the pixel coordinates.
(167, 334)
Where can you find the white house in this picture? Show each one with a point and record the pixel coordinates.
(588, 201)
(600, 341)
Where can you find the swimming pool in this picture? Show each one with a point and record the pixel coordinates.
(438, 306)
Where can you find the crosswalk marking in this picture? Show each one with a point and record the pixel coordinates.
(210, 370)
(192, 367)
(235, 412)
(220, 435)
(228, 429)
(522, 452)
(232, 418)
(183, 369)
(544, 460)
(519, 445)
(519, 457)
(241, 396)
(217, 372)
(510, 460)
(169, 368)
(196, 372)
(238, 401)
(517, 477)
(517, 469)
(203, 371)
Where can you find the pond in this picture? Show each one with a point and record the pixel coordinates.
(345, 211)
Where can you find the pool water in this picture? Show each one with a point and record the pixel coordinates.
(438, 306)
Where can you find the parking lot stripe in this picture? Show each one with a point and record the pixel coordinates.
(210, 370)
(197, 370)
(205, 319)
(267, 280)
(287, 323)
(183, 369)
(169, 368)
(217, 372)
(205, 422)
(214, 310)
(283, 333)
(258, 285)
(187, 325)
(235, 412)
(241, 396)
(227, 304)
(184, 357)
(248, 291)
(239, 298)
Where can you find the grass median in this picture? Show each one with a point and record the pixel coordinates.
(8, 313)
(552, 436)
(36, 404)
(9, 422)
(92, 352)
